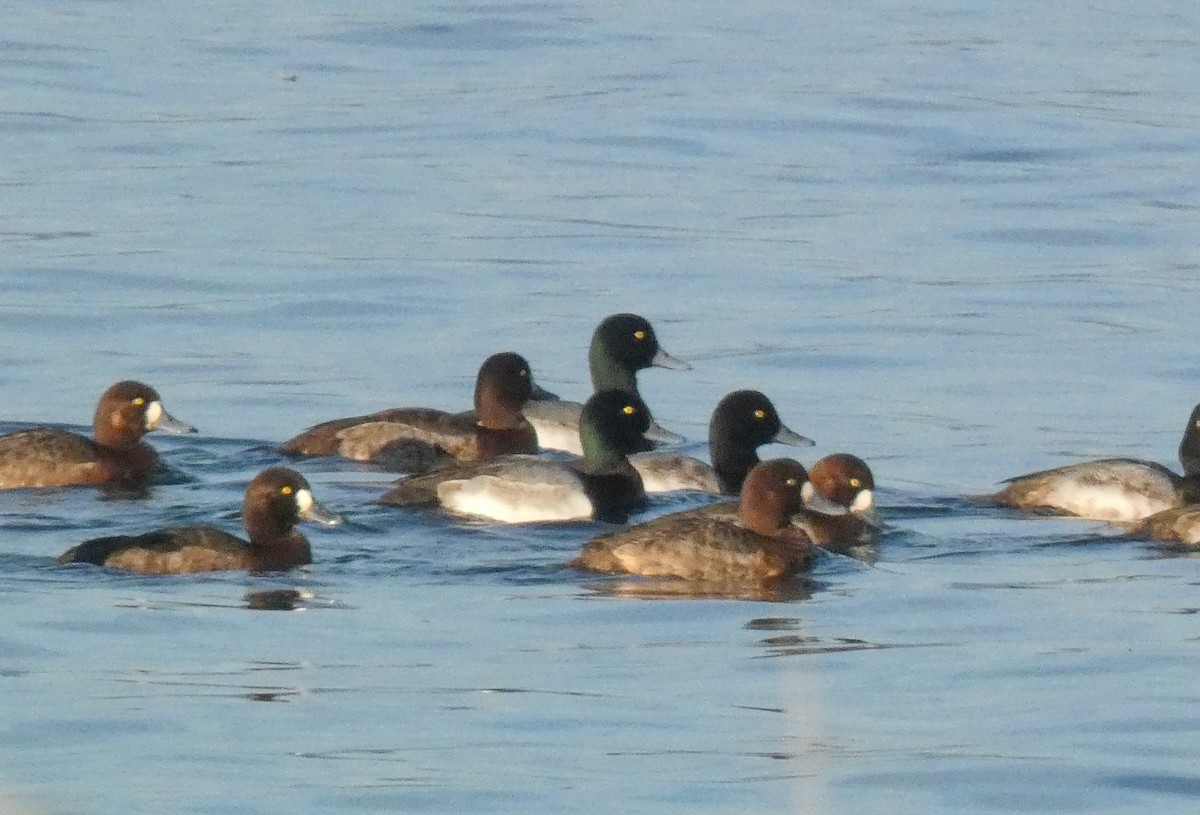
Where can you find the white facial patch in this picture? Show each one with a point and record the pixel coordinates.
(154, 412)
(304, 501)
(806, 492)
(863, 501)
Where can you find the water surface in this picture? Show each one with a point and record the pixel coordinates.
(957, 240)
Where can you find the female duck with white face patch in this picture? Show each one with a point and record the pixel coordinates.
(275, 500)
(50, 457)
(758, 544)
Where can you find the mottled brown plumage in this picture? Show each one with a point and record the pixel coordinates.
(757, 545)
(416, 439)
(50, 457)
(1180, 525)
(275, 500)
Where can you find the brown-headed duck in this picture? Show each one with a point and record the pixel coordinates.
(848, 482)
(1180, 525)
(51, 457)
(519, 489)
(420, 439)
(759, 545)
(275, 500)
(622, 345)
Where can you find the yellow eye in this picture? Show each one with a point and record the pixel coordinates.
(285, 490)
(791, 482)
(639, 335)
(854, 482)
(138, 401)
(524, 372)
(760, 414)
(629, 410)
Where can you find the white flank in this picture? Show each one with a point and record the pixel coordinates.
(1104, 503)
(516, 501)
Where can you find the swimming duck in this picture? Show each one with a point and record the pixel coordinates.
(622, 345)
(759, 545)
(839, 513)
(420, 439)
(1111, 489)
(516, 489)
(741, 422)
(1179, 525)
(275, 500)
(848, 482)
(50, 457)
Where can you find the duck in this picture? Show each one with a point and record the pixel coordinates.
(622, 345)
(602, 485)
(1180, 525)
(418, 439)
(1110, 489)
(847, 481)
(742, 421)
(52, 457)
(275, 500)
(839, 514)
(758, 545)
(1119, 490)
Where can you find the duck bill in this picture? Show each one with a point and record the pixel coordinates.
(817, 502)
(662, 359)
(158, 419)
(539, 394)
(786, 436)
(318, 513)
(660, 435)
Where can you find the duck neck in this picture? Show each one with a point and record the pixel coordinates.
(732, 461)
(608, 372)
(1189, 488)
(494, 415)
(115, 434)
(763, 519)
(598, 451)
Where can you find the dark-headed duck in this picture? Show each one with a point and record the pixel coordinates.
(622, 345)
(1189, 448)
(517, 489)
(742, 422)
(275, 500)
(50, 457)
(759, 545)
(419, 439)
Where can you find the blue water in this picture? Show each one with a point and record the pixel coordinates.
(957, 239)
